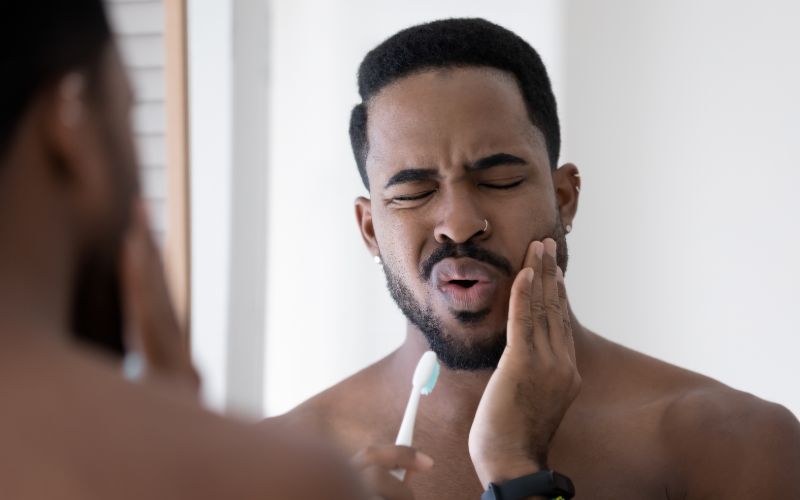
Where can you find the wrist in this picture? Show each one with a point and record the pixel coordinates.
(499, 471)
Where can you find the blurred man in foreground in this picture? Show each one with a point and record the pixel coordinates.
(75, 253)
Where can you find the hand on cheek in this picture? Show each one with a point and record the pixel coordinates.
(537, 377)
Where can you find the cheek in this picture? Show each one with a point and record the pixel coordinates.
(518, 226)
(401, 240)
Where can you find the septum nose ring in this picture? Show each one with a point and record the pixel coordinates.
(485, 225)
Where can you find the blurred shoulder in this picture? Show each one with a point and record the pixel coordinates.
(115, 439)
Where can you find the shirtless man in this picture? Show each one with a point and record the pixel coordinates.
(71, 428)
(457, 141)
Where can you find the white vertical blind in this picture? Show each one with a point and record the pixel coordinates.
(139, 27)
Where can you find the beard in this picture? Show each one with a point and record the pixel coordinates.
(455, 352)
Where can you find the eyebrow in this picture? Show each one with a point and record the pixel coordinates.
(496, 160)
(425, 174)
(412, 175)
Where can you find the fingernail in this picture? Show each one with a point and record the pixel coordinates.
(528, 274)
(539, 249)
(424, 460)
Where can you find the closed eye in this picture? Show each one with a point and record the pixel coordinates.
(508, 185)
(413, 197)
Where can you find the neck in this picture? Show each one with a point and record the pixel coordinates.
(457, 394)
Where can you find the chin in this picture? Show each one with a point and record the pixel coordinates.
(468, 348)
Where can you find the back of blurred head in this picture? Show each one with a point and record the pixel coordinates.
(67, 162)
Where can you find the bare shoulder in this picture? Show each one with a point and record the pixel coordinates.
(105, 425)
(718, 442)
(731, 444)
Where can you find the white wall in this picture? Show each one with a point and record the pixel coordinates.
(228, 119)
(685, 119)
(210, 42)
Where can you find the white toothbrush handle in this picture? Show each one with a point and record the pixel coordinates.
(406, 433)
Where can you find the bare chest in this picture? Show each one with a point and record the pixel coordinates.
(607, 455)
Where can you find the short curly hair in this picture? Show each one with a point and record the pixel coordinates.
(456, 43)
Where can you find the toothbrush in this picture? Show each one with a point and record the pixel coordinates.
(422, 383)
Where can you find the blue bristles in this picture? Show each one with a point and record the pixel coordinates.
(432, 380)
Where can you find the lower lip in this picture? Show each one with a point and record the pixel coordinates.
(474, 298)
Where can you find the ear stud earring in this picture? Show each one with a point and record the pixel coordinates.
(377, 260)
(568, 228)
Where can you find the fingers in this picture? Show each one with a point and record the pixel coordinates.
(391, 456)
(377, 462)
(382, 484)
(540, 335)
(568, 342)
(154, 328)
(550, 331)
(551, 300)
(520, 321)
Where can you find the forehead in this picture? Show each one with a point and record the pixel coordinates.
(453, 113)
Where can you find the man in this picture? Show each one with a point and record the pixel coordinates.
(74, 236)
(457, 140)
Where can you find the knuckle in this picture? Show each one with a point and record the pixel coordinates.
(551, 299)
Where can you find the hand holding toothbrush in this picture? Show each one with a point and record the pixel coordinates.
(376, 465)
(536, 379)
(384, 467)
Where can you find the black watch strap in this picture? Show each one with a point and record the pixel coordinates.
(545, 483)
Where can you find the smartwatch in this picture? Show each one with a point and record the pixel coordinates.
(545, 483)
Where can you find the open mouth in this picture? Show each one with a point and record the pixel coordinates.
(463, 283)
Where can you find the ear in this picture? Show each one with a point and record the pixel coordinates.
(364, 219)
(64, 118)
(567, 183)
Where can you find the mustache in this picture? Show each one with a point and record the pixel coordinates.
(468, 249)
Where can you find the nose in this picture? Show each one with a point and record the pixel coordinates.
(461, 221)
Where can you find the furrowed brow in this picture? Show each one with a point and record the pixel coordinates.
(496, 160)
(411, 175)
